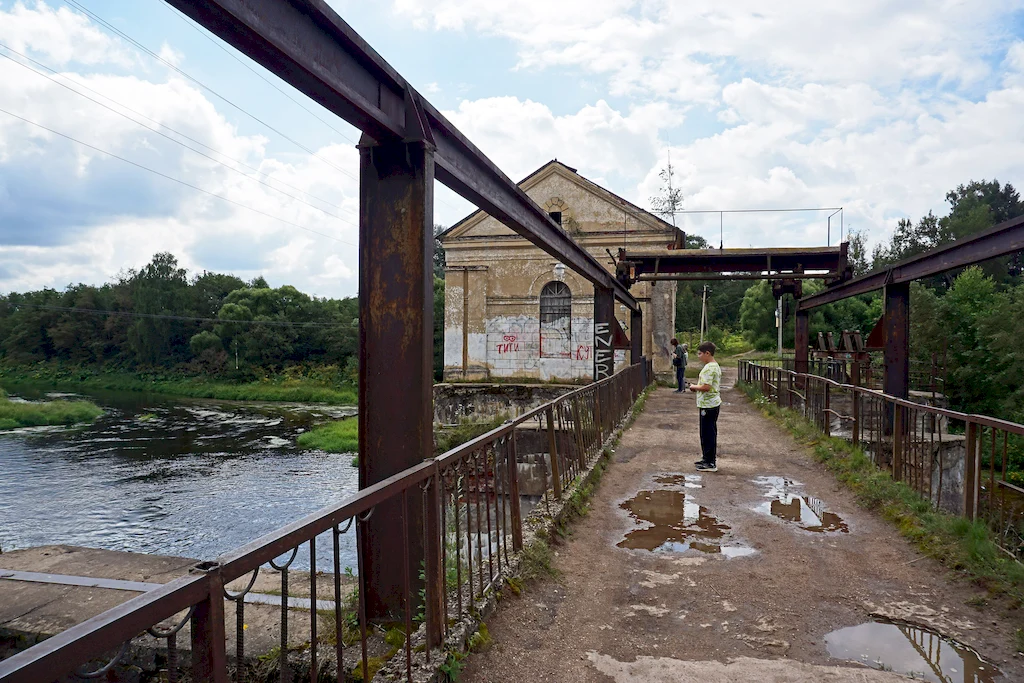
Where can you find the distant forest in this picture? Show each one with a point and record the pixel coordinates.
(159, 318)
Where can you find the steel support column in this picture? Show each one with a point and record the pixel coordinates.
(396, 311)
(802, 340)
(604, 318)
(897, 340)
(636, 337)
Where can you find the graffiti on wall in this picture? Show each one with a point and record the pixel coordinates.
(509, 344)
(604, 357)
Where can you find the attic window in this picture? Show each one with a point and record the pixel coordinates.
(556, 216)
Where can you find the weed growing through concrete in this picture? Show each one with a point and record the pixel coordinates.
(537, 561)
(955, 541)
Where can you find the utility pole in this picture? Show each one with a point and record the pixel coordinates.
(778, 324)
(703, 313)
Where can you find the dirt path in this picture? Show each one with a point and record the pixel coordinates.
(636, 615)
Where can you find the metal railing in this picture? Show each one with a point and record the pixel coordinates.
(464, 510)
(957, 461)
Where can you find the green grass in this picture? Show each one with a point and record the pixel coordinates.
(287, 389)
(16, 414)
(962, 545)
(341, 436)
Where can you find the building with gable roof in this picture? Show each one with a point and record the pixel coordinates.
(513, 311)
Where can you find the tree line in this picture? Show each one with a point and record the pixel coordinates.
(160, 318)
(968, 321)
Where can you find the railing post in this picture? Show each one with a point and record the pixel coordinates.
(828, 406)
(433, 570)
(855, 376)
(897, 443)
(556, 469)
(972, 476)
(577, 429)
(209, 647)
(513, 495)
(597, 415)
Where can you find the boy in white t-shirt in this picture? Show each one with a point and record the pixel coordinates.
(709, 401)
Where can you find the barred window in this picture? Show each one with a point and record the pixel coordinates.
(555, 320)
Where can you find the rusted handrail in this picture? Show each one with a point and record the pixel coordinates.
(469, 497)
(909, 438)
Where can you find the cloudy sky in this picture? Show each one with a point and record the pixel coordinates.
(877, 106)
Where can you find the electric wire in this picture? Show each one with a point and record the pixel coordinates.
(185, 19)
(202, 85)
(178, 142)
(188, 318)
(188, 21)
(158, 123)
(176, 180)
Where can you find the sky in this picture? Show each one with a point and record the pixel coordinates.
(126, 130)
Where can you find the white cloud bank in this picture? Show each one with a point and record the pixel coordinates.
(69, 213)
(880, 106)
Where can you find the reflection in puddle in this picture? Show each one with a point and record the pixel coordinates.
(688, 481)
(788, 502)
(677, 525)
(911, 650)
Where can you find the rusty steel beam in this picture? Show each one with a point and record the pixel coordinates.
(802, 341)
(1000, 240)
(604, 320)
(310, 47)
(896, 381)
(396, 319)
(733, 264)
(736, 276)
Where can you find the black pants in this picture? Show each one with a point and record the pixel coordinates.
(709, 433)
(680, 377)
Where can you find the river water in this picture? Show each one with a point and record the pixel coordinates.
(191, 478)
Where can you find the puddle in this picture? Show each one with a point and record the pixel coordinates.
(910, 650)
(790, 503)
(677, 525)
(688, 481)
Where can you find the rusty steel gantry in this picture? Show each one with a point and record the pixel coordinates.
(785, 267)
(406, 144)
(999, 240)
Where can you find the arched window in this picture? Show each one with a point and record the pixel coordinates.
(555, 320)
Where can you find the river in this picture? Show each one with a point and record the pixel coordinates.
(155, 474)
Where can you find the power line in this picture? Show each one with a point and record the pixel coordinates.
(185, 19)
(189, 22)
(188, 318)
(160, 59)
(176, 180)
(821, 208)
(178, 142)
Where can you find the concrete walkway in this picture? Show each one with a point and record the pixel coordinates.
(720, 584)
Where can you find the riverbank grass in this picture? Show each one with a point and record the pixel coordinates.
(958, 543)
(276, 389)
(341, 436)
(14, 414)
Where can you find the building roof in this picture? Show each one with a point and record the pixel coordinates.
(586, 182)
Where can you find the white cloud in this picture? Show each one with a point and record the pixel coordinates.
(679, 50)
(61, 35)
(520, 135)
(69, 213)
